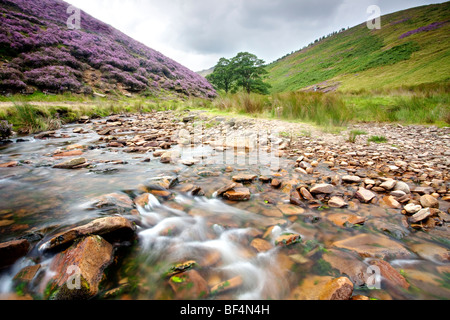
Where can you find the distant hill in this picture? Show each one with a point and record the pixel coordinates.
(411, 48)
(205, 73)
(39, 51)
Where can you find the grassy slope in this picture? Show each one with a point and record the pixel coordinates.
(359, 58)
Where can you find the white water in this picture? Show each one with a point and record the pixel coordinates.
(192, 236)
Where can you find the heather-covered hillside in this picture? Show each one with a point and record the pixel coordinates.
(38, 51)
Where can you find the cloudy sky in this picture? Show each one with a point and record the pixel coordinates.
(197, 33)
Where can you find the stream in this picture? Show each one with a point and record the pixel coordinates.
(38, 201)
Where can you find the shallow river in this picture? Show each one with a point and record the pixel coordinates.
(38, 201)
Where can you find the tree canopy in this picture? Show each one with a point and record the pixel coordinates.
(245, 70)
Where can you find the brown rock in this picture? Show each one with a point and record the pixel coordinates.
(226, 188)
(365, 195)
(9, 164)
(237, 194)
(391, 202)
(322, 188)
(369, 245)
(228, 285)
(337, 202)
(360, 297)
(117, 200)
(428, 201)
(276, 183)
(70, 164)
(287, 239)
(311, 288)
(69, 153)
(90, 257)
(421, 215)
(337, 289)
(432, 252)
(27, 274)
(11, 251)
(261, 245)
(290, 210)
(106, 227)
(189, 285)
(347, 264)
(341, 219)
(246, 178)
(390, 274)
(306, 194)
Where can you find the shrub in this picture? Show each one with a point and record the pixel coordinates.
(377, 139)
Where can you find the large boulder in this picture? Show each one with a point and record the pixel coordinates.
(375, 246)
(78, 270)
(11, 251)
(108, 227)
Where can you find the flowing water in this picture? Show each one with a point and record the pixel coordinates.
(37, 201)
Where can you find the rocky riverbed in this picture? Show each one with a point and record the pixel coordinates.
(185, 205)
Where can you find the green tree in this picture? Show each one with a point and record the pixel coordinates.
(245, 70)
(223, 77)
(249, 72)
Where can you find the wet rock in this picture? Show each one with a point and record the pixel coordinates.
(337, 289)
(70, 164)
(115, 202)
(428, 201)
(422, 190)
(412, 208)
(227, 285)
(287, 239)
(391, 202)
(46, 134)
(169, 156)
(322, 188)
(261, 245)
(342, 219)
(275, 183)
(290, 210)
(365, 195)
(351, 179)
(237, 194)
(432, 252)
(245, 178)
(390, 275)
(337, 202)
(388, 184)
(347, 264)
(9, 164)
(376, 246)
(27, 274)
(226, 188)
(11, 251)
(189, 162)
(420, 216)
(109, 227)
(310, 288)
(306, 194)
(402, 186)
(71, 153)
(181, 267)
(189, 285)
(89, 257)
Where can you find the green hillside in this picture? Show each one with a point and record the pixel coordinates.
(411, 48)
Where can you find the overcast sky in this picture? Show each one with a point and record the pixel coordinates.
(197, 33)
